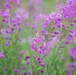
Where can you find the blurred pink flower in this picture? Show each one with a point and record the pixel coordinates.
(49, 44)
(2, 55)
(74, 40)
(21, 13)
(3, 31)
(72, 52)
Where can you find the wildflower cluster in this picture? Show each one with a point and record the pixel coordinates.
(53, 44)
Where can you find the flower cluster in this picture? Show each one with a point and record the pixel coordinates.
(54, 37)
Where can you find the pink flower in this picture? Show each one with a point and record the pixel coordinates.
(38, 1)
(49, 44)
(36, 40)
(72, 52)
(17, 2)
(3, 31)
(74, 40)
(2, 55)
(21, 13)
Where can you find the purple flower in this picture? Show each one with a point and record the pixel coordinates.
(39, 59)
(68, 72)
(27, 57)
(3, 31)
(42, 71)
(29, 72)
(56, 32)
(19, 28)
(49, 44)
(19, 74)
(42, 31)
(2, 55)
(72, 33)
(74, 40)
(42, 64)
(7, 44)
(19, 55)
(15, 70)
(8, 6)
(27, 24)
(6, 69)
(33, 47)
(63, 58)
(36, 40)
(33, 26)
(17, 2)
(22, 68)
(27, 63)
(72, 52)
(71, 66)
(25, 73)
(24, 52)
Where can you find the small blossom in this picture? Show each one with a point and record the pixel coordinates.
(71, 66)
(25, 73)
(69, 72)
(27, 24)
(33, 26)
(2, 55)
(42, 71)
(19, 74)
(15, 70)
(6, 69)
(7, 44)
(72, 53)
(24, 52)
(42, 64)
(27, 63)
(27, 57)
(22, 68)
